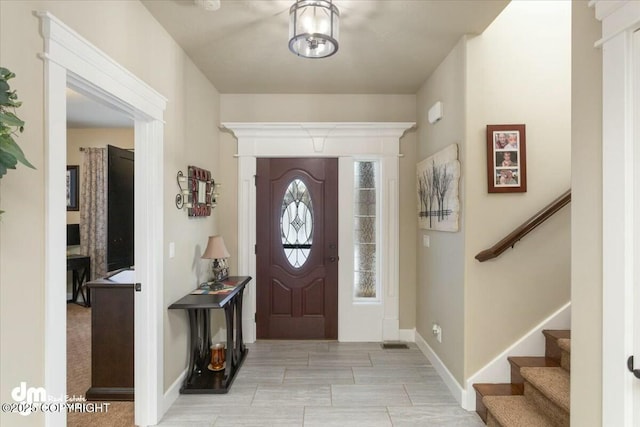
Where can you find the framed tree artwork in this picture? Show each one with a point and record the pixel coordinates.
(438, 179)
(506, 159)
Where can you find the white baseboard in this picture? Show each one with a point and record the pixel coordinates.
(531, 344)
(172, 393)
(454, 386)
(407, 335)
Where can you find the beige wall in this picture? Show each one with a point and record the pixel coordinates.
(326, 108)
(586, 220)
(92, 137)
(126, 32)
(518, 71)
(440, 281)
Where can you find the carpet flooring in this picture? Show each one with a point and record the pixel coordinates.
(119, 414)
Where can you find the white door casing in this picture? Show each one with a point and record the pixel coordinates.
(636, 226)
(620, 210)
(72, 61)
(348, 142)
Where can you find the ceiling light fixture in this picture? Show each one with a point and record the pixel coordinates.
(208, 5)
(313, 28)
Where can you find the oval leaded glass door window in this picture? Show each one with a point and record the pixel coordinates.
(296, 223)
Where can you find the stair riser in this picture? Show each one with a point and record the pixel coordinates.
(480, 408)
(565, 361)
(552, 350)
(516, 379)
(559, 416)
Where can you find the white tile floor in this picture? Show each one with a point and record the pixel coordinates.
(312, 383)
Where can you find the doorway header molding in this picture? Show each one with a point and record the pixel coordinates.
(317, 138)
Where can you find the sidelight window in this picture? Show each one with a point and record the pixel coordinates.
(365, 230)
(296, 223)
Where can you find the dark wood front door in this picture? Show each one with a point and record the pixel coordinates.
(297, 248)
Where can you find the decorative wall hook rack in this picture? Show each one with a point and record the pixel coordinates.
(198, 191)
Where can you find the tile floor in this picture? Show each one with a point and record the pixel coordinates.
(303, 383)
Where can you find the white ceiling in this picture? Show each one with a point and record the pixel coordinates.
(83, 112)
(386, 47)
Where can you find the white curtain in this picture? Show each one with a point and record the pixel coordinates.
(93, 210)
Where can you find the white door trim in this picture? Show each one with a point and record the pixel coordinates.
(70, 60)
(347, 141)
(620, 202)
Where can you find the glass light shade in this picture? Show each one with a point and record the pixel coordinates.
(313, 28)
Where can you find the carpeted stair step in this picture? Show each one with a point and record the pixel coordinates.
(548, 389)
(565, 349)
(518, 362)
(514, 411)
(483, 390)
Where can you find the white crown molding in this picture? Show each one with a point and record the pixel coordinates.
(70, 50)
(617, 16)
(322, 130)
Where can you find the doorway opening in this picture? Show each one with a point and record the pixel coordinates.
(72, 61)
(91, 130)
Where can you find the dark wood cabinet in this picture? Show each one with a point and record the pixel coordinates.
(112, 340)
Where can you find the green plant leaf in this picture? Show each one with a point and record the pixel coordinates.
(9, 146)
(4, 86)
(11, 119)
(4, 98)
(7, 161)
(6, 74)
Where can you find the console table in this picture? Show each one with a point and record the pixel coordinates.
(198, 304)
(80, 265)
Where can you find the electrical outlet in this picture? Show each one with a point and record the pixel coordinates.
(437, 331)
(426, 241)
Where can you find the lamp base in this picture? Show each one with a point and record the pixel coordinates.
(220, 274)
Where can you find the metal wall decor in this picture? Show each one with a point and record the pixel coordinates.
(198, 191)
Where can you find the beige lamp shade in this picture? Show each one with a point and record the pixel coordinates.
(216, 248)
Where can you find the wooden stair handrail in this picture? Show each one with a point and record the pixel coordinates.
(512, 238)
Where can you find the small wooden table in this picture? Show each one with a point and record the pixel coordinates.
(200, 379)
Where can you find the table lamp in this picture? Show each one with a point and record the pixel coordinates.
(217, 251)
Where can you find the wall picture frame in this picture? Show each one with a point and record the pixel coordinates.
(438, 180)
(73, 188)
(506, 159)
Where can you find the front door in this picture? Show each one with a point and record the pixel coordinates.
(297, 248)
